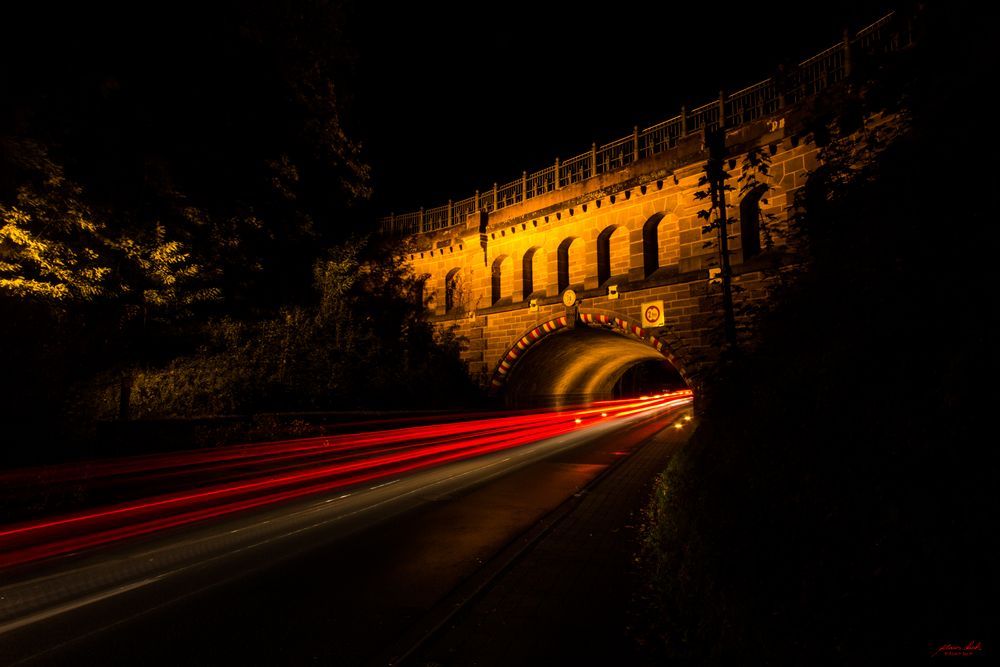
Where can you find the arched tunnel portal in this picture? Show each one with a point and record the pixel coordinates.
(594, 358)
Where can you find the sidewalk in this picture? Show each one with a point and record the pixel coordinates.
(564, 596)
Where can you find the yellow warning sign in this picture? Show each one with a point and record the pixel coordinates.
(652, 314)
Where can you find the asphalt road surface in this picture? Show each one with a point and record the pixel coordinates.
(329, 579)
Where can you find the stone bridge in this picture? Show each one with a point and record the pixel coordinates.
(595, 277)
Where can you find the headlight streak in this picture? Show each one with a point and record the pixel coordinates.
(242, 477)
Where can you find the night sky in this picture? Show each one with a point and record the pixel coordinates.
(444, 101)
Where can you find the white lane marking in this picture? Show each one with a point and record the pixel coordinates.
(76, 604)
(560, 442)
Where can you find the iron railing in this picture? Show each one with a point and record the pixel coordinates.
(808, 78)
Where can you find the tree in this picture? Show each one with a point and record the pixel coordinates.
(246, 123)
(715, 177)
(53, 246)
(752, 183)
(61, 252)
(141, 181)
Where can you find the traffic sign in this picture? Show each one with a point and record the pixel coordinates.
(652, 314)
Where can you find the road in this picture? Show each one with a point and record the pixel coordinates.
(328, 577)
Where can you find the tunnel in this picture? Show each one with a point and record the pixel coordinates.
(582, 364)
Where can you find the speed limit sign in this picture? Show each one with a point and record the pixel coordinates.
(652, 314)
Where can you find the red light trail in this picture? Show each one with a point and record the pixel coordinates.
(194, 486)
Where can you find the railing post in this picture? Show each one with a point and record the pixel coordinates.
(495, 202)
(635, 143)
(781, 83)
(392, 221)
(847, 54)
(593, 158)
(422, 219)
(524, 186)
(476, 204)
(722, 109)
(557, 185)
(450, 214)
(684, 121)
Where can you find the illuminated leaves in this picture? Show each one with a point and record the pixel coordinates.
(52, 245)
(55, 247)
(284, 176)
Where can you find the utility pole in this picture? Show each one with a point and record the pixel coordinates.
(716, 172)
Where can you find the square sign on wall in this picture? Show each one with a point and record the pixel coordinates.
(652, 314)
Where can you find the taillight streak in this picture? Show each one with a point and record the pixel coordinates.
(307, 467)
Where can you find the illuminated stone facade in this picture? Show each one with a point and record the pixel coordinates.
(635, 230)
(619, 230)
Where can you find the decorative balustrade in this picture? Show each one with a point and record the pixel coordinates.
(662, 136)
(464, 208)
(576, 169)
(705, 117)
(752, 103)
(762, 99)
(541, 182)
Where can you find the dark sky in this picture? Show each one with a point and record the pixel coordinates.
(452, 101)
(447, 99)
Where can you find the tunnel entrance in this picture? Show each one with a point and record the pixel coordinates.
(583, 364)
(648, 377)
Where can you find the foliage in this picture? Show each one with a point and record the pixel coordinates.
(53, 246)
(733, 310)
(142, 197)
(753, 181)
(56, 247)
(72, 257)
(83, 291)
(237, 143)
(363, 343)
